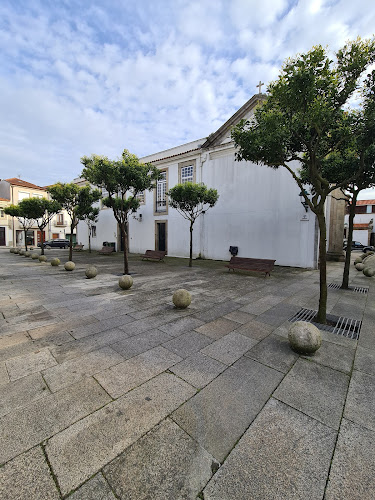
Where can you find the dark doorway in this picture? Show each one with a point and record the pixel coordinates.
(161, 240)
(2, 236)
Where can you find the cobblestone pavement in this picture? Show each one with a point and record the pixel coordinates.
(110, 394)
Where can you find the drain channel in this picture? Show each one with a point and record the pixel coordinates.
(339, 325)
(357, 289)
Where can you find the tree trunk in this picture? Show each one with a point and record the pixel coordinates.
(89, 239)
(42, 240)
(322, 311)
(125, 240)
(25, 231)
(348, 253)
(71, 242)
(191, 245)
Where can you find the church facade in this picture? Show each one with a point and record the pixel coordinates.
(259, 209)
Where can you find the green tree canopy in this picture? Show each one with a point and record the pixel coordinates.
(41, 211)
(77, 201)
(306, 119)
(122, 180)
(191, 200)
(24, 215)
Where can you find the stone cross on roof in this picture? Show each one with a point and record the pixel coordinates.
(260, 86)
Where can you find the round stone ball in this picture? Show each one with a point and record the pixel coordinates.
(16, 251)
(22, 252)
(11, 250)
(360, 266)
(35, 256)
(369, 272)
(125, 282)
(181, 299)
(55, 262)
(69, 266)
(304, 338)
(42, 258)
(358, 260)
(91, 272)
(27, 254)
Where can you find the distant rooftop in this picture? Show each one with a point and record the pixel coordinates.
(19, 182)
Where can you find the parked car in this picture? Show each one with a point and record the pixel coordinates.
(357, 245)
(58, 243)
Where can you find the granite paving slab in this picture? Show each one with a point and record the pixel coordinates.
(87, 344)
(229, 348)
(187, 344)
(173, 466)
(217, 311)
(352, 475)
(274, 351)
(317, 391)
(15, 338)
(360, 403)
(283, 455)
(240, 317)
(217, 328)
(262, 305)
(137, 344)
(28, 477)
(101, 326)
(28, 426)
(96, 488)
(219, 414)
(71, 371)
(365, 360)
(181, 325)
(22, 392)
(335, 356)
(30, 363)
(255, 330)
(4, 377)
(135, 371)
(85, 447)
(198, 370)
(277, 314)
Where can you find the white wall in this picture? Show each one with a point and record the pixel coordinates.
(361, 235)
(106, 230)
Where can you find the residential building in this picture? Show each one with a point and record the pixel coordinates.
(12, 191)
(363, 230)
(258, 210)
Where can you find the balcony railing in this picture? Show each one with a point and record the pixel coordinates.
(60, 223)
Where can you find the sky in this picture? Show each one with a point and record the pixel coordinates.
(79, 77)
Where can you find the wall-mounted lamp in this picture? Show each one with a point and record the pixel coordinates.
(303, 201)
(139, 218)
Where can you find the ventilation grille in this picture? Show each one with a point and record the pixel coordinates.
(357, 289)
(339, 325)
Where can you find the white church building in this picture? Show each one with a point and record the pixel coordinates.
(259, 209)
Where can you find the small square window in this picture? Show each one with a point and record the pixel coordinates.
(187, 174)
(93, 231)
(141, 197)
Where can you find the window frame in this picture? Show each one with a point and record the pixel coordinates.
(184, 164)
(161, 212)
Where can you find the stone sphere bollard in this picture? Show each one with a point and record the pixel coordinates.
(69, 266)
(35, 256)
(55, 262)
(11, 250)
(27, 254)
(360, 266)
(358, 260)
(304, 338)
(369, 272)
(91, 272)
(42, 258)
(21, 252)
(16, 250)
(181, 299)
(125, 282)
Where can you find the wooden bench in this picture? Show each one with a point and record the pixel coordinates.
(154, 254)
(78, 248)
(106, 250)
(245, 264)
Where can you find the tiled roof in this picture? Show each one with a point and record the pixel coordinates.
(4, 199)
(19, 182)
(366, 202)
(177, 154)
(360, 226)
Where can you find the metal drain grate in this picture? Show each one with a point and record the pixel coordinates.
(357, 289)
(346, 327)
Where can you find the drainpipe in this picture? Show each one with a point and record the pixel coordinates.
(202, 159)
(13, 231)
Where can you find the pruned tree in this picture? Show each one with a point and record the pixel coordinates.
(76, 201)
(192, 200)
(41, 211)
(90, 216)
(305, 120)
(24, 217)
(122, 179)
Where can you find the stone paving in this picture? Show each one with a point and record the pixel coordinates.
(110, 394)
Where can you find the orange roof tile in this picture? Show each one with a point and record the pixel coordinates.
(366, 202)
(19, 182)
(360, 226)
